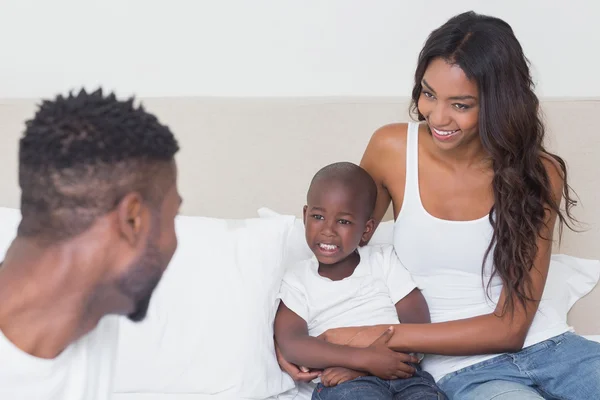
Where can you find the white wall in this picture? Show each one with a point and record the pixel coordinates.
(271, 48)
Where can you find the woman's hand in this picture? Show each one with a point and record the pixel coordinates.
(337, 375)
(362, 336)
(293, 371)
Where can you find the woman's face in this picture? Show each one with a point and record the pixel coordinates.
(450, 104)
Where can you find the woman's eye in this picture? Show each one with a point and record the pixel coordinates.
(461, 107)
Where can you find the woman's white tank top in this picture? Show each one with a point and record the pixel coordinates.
(445, 259)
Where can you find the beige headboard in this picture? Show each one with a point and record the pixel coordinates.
(240, 154)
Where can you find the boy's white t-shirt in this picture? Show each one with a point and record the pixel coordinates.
(83, 371)
(367, 297)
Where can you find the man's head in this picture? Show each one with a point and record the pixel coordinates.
(339, 211)
(99, 171)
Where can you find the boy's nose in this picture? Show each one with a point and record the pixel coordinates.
(328, 231)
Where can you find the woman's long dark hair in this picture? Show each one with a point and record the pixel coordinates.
(512, 132)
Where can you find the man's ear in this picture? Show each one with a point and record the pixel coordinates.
(368, 232)
(130, 217)
(304, 214)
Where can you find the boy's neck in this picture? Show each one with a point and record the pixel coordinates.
(342, 269)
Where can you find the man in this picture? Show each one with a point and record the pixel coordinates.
(99, 200)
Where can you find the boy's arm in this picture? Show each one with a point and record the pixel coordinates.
(413, 309)
(411, 306)
(297, 347)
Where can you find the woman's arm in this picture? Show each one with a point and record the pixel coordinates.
(298, 347)
(385, 152)
(497, 332)
(486, 334)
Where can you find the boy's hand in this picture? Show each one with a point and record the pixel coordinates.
(337, 375)
(293, 371)
(385, 363)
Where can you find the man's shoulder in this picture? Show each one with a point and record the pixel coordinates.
(104, 336)
(109, 325)
(89, 360)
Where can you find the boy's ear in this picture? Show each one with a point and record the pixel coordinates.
(304, 214)
(368, 232)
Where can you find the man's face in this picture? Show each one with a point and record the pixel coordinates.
(141, 277)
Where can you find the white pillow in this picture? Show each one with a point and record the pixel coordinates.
(569, 279)
(297, 249)
(207, 312)
(186, 343)
(209, 325)
(263, 252)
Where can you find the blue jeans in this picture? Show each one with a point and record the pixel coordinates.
(420, 387)
(562, 368)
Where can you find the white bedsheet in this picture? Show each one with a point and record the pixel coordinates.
(173, 396)
(306, 395)
(227, 396)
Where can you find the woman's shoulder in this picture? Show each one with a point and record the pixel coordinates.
(385, 155)
(387, 143)
(386, 149)
(390, 137)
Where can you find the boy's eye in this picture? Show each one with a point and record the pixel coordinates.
(344, 222)
(317, 216)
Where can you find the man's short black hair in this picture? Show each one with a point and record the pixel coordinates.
(81, 154)
(353, 176)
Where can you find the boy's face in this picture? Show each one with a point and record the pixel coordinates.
(336, 221)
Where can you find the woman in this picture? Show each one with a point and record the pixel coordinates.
(476, 197)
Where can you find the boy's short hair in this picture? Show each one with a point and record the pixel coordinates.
(353, 176)
(81, 154)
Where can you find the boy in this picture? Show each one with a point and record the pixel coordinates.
(346, 285)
